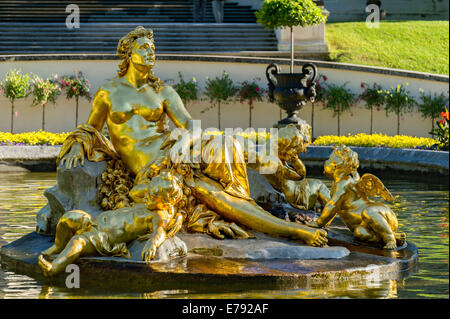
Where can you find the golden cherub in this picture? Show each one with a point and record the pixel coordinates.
(78, 235)
(369, 221)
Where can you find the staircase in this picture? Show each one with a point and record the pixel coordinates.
(34, 27)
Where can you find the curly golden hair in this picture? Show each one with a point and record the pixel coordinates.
(344, 159)
(124, 53)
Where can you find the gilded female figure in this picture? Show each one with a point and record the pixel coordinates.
(135, 106)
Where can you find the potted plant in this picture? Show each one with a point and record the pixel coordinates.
(219, 90)
(397, 100)
(250, 92)
(290, 90)
(15, 86)
(76, 86)
(44, 91)
(373, 96)
(432, 105)
(338, 99)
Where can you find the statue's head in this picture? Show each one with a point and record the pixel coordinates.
(292, 140)
(164, 190)
(342, 161)
(136, 47)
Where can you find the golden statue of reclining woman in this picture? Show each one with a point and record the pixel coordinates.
(136, 106)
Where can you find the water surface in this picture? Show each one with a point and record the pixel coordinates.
(421, 204)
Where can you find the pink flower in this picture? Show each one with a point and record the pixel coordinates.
(257, 89)
(362, 85)
(325, 78)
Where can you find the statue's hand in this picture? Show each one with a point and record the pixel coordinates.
(76, 154)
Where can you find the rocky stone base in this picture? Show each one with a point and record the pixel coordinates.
(193, 260)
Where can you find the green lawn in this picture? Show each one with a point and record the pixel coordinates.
(410, 45)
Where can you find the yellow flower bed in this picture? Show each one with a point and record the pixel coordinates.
(33, 138)
(365, 140)
(376, 140)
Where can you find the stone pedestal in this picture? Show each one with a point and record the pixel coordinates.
(306, 40)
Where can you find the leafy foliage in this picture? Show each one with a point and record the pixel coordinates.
(16, 85)
(432, 105)
(76, 86)
(289, 13)
(338, 98)
(372, 95)
(441, 132)
(219, 90)
(44, 91)
(397, 100)
(187, 90)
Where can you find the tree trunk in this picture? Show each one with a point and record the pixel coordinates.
(12, 116)
(76, 111)
(339, 123)
(249, 115)
(371, 120)
(43, 117)
(312, 121)
(281, 114)
(292, 49)
(218, 113)
(398, 123)
(432, 124)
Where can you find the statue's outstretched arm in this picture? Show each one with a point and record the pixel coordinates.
(331, 209)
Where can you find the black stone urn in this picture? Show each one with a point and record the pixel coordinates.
(291, 90)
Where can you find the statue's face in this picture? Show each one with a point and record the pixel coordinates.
(143, 52)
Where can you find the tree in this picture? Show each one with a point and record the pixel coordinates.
(432, 105)
(397, 100)
(289, 13)
(15, 86)
(219, 90)
(338, 99)
(374, 97)
(44, 91)
(250, 92)
(76, 86)
(187, 90)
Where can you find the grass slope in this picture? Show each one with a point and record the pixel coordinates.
(411, 45)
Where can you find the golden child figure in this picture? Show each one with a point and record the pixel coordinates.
(135, 106)
(77, 235)
(369, 221)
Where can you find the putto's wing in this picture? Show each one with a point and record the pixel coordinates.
(370, 186)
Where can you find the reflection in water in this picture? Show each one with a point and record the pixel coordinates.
(421, 205)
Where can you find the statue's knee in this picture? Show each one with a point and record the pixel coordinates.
(74, 218)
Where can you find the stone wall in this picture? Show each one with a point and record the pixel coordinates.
(61, 118)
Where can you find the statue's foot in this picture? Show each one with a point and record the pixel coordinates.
(316, 237)
(50, 251)
(390, 245)
(46, 266)
(400, 238)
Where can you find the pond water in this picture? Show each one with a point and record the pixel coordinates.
(422, 206)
